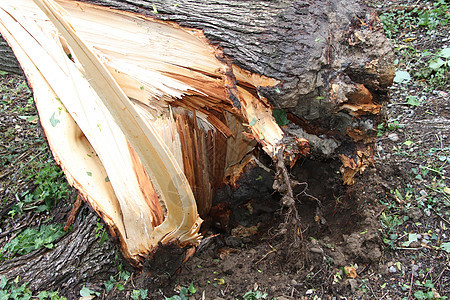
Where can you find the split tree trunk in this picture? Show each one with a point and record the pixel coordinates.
(326, 63)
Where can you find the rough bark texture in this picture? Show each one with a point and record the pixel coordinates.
(78, 256)
(8, 61)
(304, 44)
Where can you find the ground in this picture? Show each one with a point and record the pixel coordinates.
(386, 237)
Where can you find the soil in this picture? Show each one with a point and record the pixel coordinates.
(380, 238)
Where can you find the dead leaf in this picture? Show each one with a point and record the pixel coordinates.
(350, 272)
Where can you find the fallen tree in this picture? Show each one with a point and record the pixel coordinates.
(159, 102)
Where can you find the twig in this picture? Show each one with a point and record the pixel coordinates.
(262, 258)
(16, 228)
(411, 284)
(370, 287)
(74, 212)
(406, 248)
(443, 219)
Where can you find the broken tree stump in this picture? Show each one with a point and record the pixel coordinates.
(172, 96)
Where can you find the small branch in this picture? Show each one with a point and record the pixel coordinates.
(411, 284)
(74, 212)
(272, 251)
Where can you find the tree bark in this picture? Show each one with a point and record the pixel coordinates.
(77, 257)
(8, 61)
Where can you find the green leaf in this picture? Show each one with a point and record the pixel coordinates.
(184, 291)
(49, 246)
(32, 118)
(3, 282)
(192, 289)
(124, 275)
(42, 295)
(402, 77)
(135, 295)
(412, 100)
(408, 143)
(445, 53)
(89, 173)
(436, 64)
(85, 292)
(429, 284)
(412, 237)
(54, 121)
(103, 238)
(109, 285)
(442, 157)
(26, 297)
(144, 293)
(420, 295)
(155, 11)
(446, 247)
(4, 295)
(120, 287)
(106, 179)
(280, 117)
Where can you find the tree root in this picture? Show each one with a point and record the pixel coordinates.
(291, 229)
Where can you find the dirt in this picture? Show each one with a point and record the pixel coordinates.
(380, 238)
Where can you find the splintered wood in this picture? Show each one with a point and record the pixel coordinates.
(140, 114)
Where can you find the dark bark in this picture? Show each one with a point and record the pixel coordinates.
(8, 61)
(76, 259)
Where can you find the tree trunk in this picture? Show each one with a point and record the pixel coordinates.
(290, 75)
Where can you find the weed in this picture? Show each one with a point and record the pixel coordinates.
(184, 293)
(51, 187)
(32, 239)
(430, 18)
(12, 290)
(429, 294)
(255, 295)
(139, 294)
(85, 292)
(383, 127)
(101, 232)
(436, 69)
